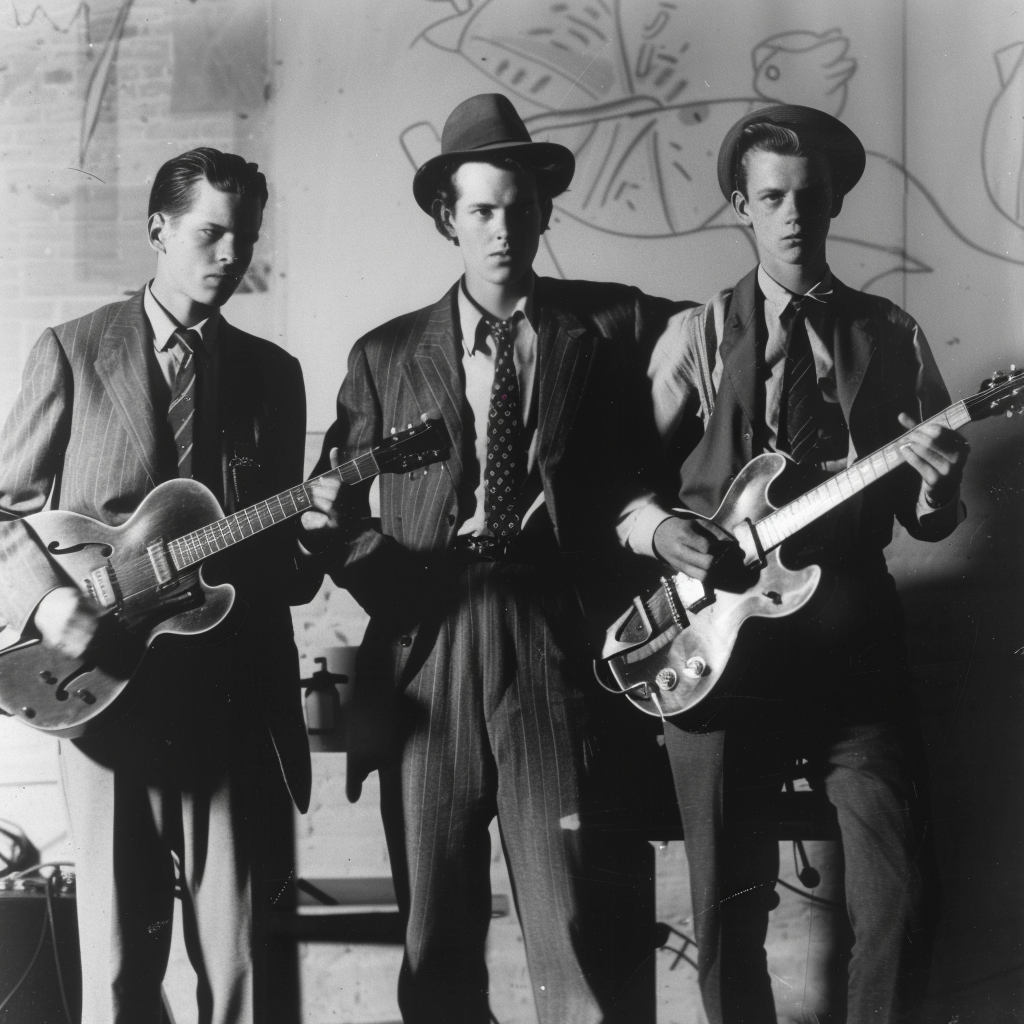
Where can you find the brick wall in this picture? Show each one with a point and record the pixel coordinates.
(77, 159)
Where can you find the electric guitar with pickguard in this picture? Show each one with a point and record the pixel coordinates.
(667, 653)
(146, 578)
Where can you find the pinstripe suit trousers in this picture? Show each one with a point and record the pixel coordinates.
(495, 722)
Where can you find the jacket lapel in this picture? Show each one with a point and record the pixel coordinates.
(854, 344)
(433, 375)
(739, 345)
(122, 366)
(564, 357)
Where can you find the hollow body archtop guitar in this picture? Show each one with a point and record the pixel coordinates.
(145, 576)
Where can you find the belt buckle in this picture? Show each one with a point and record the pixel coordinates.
(487, 549)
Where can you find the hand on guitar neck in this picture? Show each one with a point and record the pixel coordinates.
(68, 621)
(330, 519)
(939, 455)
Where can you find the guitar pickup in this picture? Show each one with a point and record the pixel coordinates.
(160, 560)
(102, 586)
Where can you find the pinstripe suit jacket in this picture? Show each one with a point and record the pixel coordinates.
(87, 434)
(595, 438)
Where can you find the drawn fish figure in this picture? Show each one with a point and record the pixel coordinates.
(1003, 141)
(804, 67)
(559, 54)
(643, 169)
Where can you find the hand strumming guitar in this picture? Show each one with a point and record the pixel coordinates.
(67, 621)
(691, 546)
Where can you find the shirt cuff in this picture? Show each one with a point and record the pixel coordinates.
(945, 517)
(638, 525)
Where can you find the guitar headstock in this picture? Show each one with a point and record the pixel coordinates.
(418, 445)
(1003, 392)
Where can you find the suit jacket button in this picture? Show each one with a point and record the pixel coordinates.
(405, 641)
(451, 518)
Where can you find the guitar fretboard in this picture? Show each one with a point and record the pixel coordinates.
(193, 547)
(777, 526)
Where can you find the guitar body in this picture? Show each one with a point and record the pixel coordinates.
(69, 697)
(666, 671)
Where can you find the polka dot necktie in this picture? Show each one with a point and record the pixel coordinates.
(181, 413)
(505, 458)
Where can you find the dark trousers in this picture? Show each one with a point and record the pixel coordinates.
(496, 722)
(173, 797)
(871, 772)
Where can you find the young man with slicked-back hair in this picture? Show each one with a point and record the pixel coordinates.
(171, 795)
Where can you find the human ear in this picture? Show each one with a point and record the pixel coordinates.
(741, 206)
(443, 216)
(156, 227)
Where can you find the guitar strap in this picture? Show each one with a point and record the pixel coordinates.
(704, 330)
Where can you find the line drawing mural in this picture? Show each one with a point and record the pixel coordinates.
(614, 92)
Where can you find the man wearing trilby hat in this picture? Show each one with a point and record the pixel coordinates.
(476, 653)
(791, 360)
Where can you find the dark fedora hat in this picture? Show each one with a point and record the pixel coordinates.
(484, 125)
(814, 128)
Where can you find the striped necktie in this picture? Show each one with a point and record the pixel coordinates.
(181, 413)
(505, 461)
(811, 428)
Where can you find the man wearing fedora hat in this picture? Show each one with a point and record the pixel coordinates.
(474, 690)
(792, 360)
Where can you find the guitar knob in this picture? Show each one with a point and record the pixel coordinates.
(28, 712)
(85, 696)
(694, 667)
(666, 679)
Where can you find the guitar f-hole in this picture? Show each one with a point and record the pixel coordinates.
(61, 693)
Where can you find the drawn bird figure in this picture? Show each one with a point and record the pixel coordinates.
(809, 68)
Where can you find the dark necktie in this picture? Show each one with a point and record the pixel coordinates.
(505, 458)
(811, 429)
(181, 413)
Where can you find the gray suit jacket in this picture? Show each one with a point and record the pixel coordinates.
(87, 434)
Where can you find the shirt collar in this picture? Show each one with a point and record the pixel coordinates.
(779, 297)
(471, 313)
(164, 325)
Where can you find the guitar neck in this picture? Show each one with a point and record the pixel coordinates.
(194, 547)
(787, 520)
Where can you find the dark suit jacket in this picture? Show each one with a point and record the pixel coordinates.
(595, 440)
(87, 434)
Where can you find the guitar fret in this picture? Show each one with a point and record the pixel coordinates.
(193, 548)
